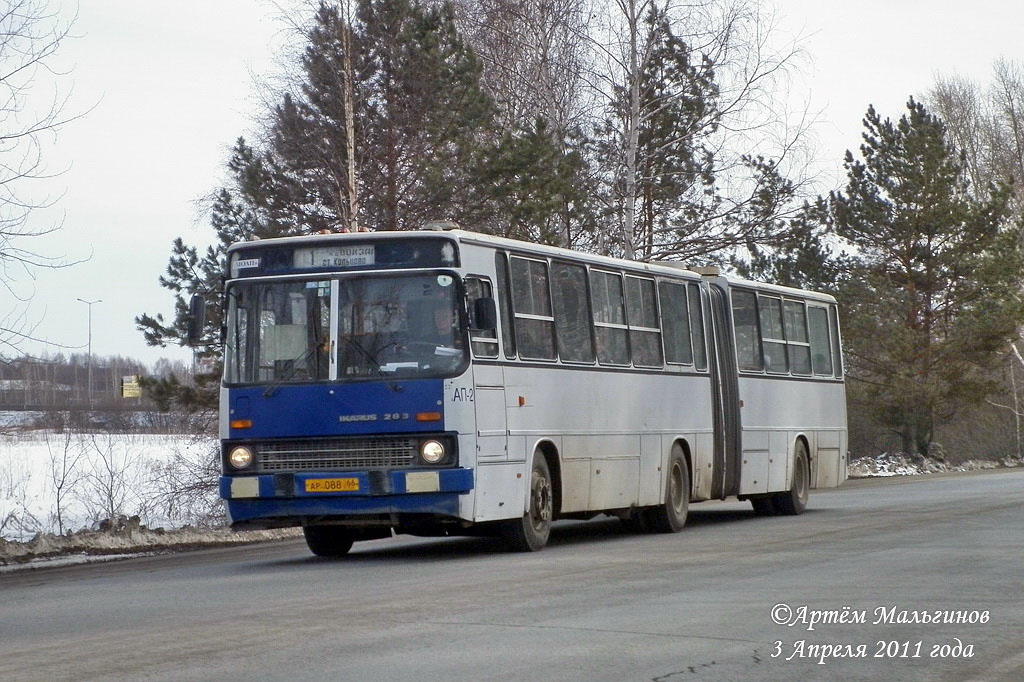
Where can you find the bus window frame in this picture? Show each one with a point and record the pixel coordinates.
(643, 330)
(588, 299)
(488, 292)
(610, 325)
(746, 369)
(685, 286)
(516, 315)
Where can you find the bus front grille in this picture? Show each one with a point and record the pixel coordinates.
(337, 454)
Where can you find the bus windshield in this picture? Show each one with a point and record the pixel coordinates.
(352, 328)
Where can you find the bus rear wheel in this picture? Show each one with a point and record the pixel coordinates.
(530, 533)
(794, 500)
(670, 517)
(328, 541)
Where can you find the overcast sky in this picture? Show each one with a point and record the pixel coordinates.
(173, 88)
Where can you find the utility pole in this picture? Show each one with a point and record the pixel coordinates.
(89, 357)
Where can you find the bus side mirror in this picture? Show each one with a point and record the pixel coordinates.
(196, 319)
(485, 314)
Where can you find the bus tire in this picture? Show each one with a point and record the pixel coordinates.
(530, 533)
(670, 517)
(794, 500)
(328, 541)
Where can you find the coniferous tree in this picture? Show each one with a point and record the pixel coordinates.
(254, 206)
(426, 118)
(536, 189)
(932, 293)
(801, 258)
(384, 131)
(671, 186)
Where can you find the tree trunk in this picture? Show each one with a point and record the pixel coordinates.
(351, 202)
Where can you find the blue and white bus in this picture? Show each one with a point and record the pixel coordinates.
(445, 382)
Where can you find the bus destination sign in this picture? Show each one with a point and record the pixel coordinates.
(355, 256)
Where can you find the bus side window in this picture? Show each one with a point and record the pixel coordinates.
(483, 341)
(504, 301)
(821, 346)
(837, 355)
(748, 336)
(675, 320)
(700, 355)
(609, 318)
(531, 307)
(644, 332)
(572, 312)
(773, 340)
(796, 337)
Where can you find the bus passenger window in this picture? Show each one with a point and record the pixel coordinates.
(609, 318)
(837, 355)
(796, 338)
(821, 346)
(748, 337)
(531, 302)
(644, 332)
(572, 312)
(700, 355)
(772, 337)
(675, 321)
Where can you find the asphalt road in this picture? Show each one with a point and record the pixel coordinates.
(597, 604)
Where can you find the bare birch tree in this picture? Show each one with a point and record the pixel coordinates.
(65, 473)
(534, 55)
(31, 32)
(698, 153)
(987, 125)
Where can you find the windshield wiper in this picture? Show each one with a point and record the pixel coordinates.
(295, 362)
(374, 363)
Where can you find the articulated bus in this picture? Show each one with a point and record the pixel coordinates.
(444, 382)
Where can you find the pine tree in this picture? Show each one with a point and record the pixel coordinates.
(250, 208)
(933, 289)
(671, 187)
(384, 131)
(536, 189)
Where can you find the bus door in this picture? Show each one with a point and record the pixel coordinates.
(491, 425)
(725, 387)
(488, 378)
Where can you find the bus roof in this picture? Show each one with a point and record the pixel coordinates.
(668, 268)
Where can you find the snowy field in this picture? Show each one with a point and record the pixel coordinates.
(65, 482)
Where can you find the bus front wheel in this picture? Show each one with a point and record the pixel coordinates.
(794, 500)
(328, 541)
(530, 533)
(670, 517)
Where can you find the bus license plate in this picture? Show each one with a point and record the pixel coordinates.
(331, 485)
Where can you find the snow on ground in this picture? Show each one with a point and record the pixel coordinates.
(78, 496)
(58, 482)
(895, 464)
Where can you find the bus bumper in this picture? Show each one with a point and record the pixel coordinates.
(278, 497)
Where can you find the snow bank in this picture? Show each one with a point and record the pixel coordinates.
(896, 464)
(128, 538)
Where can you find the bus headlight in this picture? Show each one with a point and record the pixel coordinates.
(432, 451)
(240, 457)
